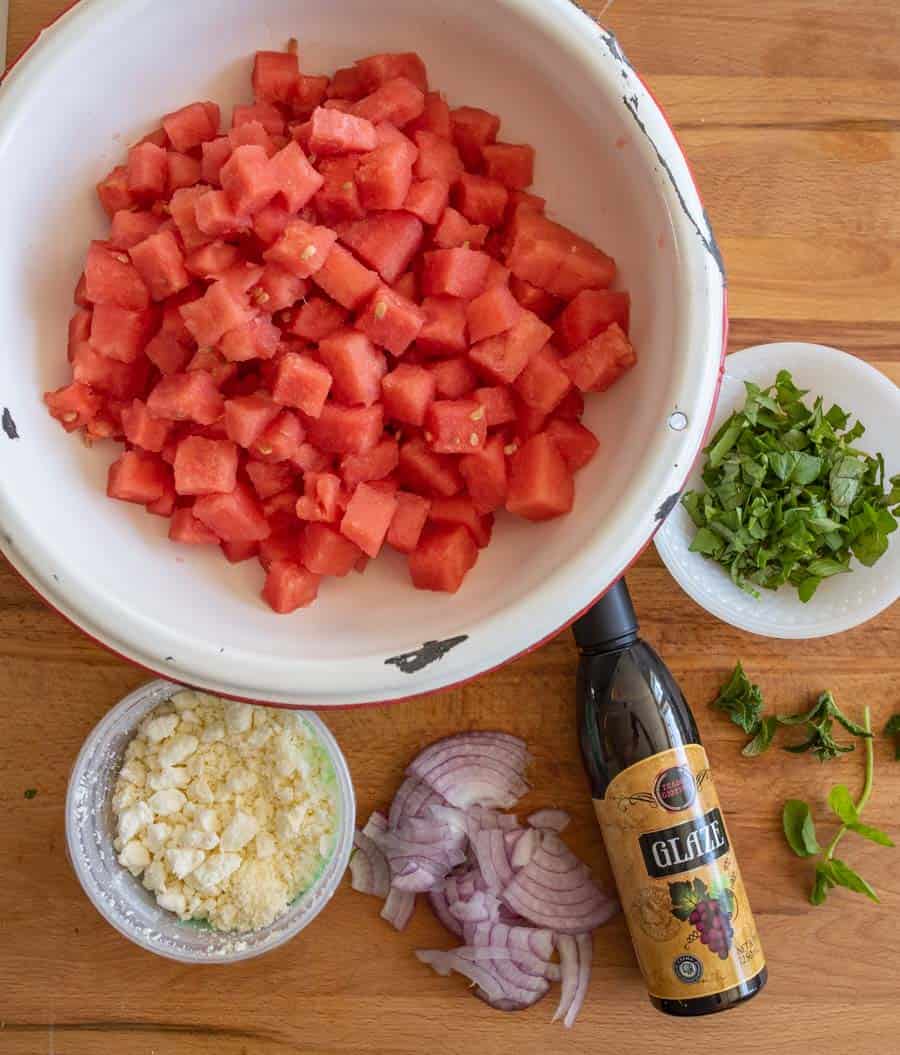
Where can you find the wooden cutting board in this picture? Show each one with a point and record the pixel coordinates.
(789, 114)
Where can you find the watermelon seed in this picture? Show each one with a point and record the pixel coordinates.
(259, 296)
(71, 416)
(380, 310)
(466, 244)
(473, 440)
(121, 257)
(429, 437)
(510, 448)
(348, 185)
(264, 450)
(309, 252)
(313, 158)
(477, 415)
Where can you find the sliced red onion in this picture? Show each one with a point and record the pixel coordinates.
(524, 849)
(449, 816)
(551, 820)
(492, 858)
(440, 906)
(484, 769)
(576, 975)
(444, 962)
(369, 867)
(413, 798)
(479, 908)
(486, 818)
(568, 963)
(398, 908)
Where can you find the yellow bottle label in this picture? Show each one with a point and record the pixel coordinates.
(678, 877)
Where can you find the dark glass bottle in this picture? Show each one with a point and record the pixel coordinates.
(675, 868)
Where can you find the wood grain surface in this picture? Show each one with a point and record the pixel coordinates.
(790, 114)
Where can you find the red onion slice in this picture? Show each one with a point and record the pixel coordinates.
(375, 825)
(413, 798)
(444, 962)
(490, 853)
(550, 820)
(398, 908)
(440, 907)
(568, 962)
(524, 849)
(471, 769)
(369, 867)
(585, 946)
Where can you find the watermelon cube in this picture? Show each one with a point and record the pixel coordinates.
(554, 258)
(303, 248)
(473, 129)
(283, 543)
(186, 528)
(390, 133)
(278, 288)
(346, 430)
(130, 227)
(234, 517)
(589, 314)
(338, 198)
(374, 70)
(494, 312)
(167, 353)
(294, 177)
(74, 405)
(289, 586)
(529, 421)
(408, 521)
(454, 231)
(111, 278)
(522, 199)
(461, 510)
(509, 164)
(241, 278)
(309, 92)
(164, 506)
(310, 459)
(120, 334)
(386, 241)
(534, 299)
(576, 444)
(148, 172)
(252, 133)
(275, 76)
(334, 132)
(356, 366)
(407, 392)
(424, 471)
(160, 263)
(143, 429)
(444, 556)
(214, 314)
(398, 101)
(599, 363)
(345, 280)
(456, 272)
(255, 339)
(113, 191)
(438, 158)
(481, 200)
(215, 153)
(183, 208)
(280, 441)
(236, 552)
(407, 285)
(540, 482)
(246, 418)
(184, 171)
(375, 464)
(80, 295)
(205, 467)
(209, 360)
(434, 118)
(139, 477)
(572, 406)
(453, 378)
(192, 125)
(504, 357)
(485, 476)
(301, 382)
(322, 498)
(391, 320)
(543, 382)
(268, 480)
(247, 179)
(498, 404)
(456, 426)
(427, 199)
(267, 114)
(317, 318)
(191, 396)
(347, 83)
(325, 551)
(79, 330)
(118, 380)
(210, 261)
(384, 176)
(368, 517)
(497, 275)
(216, 217)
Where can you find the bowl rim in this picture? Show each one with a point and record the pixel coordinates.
(144, 696)
(602, 53)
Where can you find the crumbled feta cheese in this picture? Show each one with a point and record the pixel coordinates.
(167, 801)
(239, 831)
(182, 860)
(132, 820)
(158, 729)
(178, 749)
(173, 901)
(134, 857)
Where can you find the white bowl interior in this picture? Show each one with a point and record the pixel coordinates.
(101, 79)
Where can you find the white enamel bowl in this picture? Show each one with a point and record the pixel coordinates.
(607, 162)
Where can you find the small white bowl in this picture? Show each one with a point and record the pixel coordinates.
(842, 602)
(121, 898)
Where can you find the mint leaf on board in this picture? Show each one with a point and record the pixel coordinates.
(841, 802)
(741, 700)
(821, 885)
(799, 828)
(843, 875)
(765, 731)
(787, 498)
(30, 793)
(875, 835)
(819, 721)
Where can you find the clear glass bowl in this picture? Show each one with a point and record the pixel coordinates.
(122, 899)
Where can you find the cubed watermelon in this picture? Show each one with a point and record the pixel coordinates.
(384, 176)
(461, 510)
(543, 383)
(256, 339)
(407, 392)
(252, 133)
(481, 200)
(346, 430)
(572, 406)
(347, 83)
(442, 559)
(317, 318)
(289, 586)
(281, 441)
(79, 330)
(183, 207)
(375, 464)
(576, 444)
(438, 158)
(278, 288)
(189, 396)
(118, 333)
(118, 380)
(275, 76)
(247, 179)
(148, 172)
(511, 164)
(241, 278)
(407, 285)
(326, 551)
(589, 314)
(453, 378)
(192, 125)
(205, 467)
(494, 312)
(294, 178)
(113, 191)
(456, 272)
(143, 429)
(529, 420)
(186, 528)
(234, 517)
(111, 278)
(368, 517)
(497, 275)
(374, 70)
(434, 118)
(303, 248)
(209, 360)
(322, 498)
(267, 114)
(138, 477)
(160, 263)
(356, 366)
(167, 353)
(210, 261)
(485, 476)
(424, 471)
(599, 363)
(216, 217)
(386, 241)
(302, 382)
(215, 153)
(214, 314)
(398, 101)
(345, 279)
(556, 259)
(237, 552)
(268, 480)
(132, 226)
(309, 92)
(337, 201)
(473, 129)
(74, 405)
(454, 231)
(498, 404)
(391, 320)
(164, 506)
(540, 482)
(427, 199)
(247, 417)
(504, 357)
(456, 426)
(334, 132)
(408, 521)
(283, 543)
(184, 171)
(534, 299)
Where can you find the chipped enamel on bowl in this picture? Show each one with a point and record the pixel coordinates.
(844, 601)
(608, 164)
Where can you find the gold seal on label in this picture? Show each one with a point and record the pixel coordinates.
(653, 910)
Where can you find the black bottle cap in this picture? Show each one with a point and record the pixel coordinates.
(610, 625)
